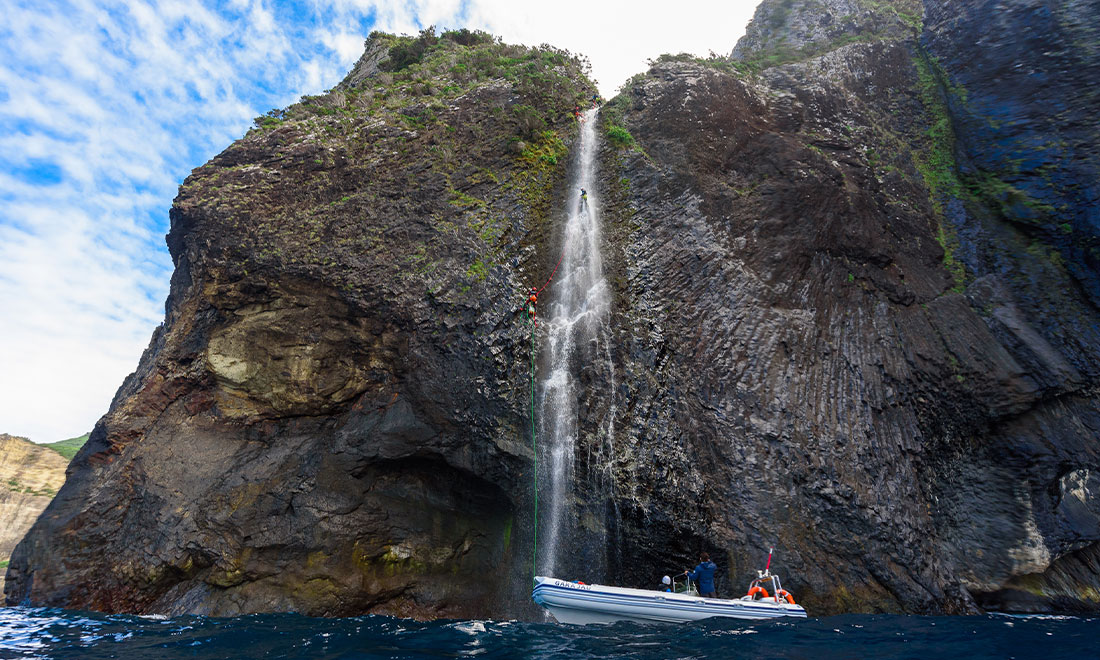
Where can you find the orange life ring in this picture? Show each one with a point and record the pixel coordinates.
(759, 590)
(783, 593)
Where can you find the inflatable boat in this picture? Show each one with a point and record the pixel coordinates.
(577, 602)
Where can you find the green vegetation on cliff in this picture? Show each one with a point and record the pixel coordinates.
(935, 159)
(30, 476)
(412, 71)
(15, 486)
(478, 126)
(68, 448)
(713, 61)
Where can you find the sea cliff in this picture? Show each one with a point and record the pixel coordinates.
(853, 270)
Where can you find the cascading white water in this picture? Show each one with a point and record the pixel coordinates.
(576, 314)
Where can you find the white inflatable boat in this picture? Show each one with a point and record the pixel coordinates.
(576, 602)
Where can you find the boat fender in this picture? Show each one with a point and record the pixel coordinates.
(783, 593)
(759, 590)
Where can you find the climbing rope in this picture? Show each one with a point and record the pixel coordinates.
(535, 450)
(553, 272)
(534, 443)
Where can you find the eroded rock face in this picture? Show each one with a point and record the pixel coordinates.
(837, 328)
(329, 419)
(1018, 82)
(788, 28)
(833, 340)
(1024, 115)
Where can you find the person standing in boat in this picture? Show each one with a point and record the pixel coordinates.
(704, 574)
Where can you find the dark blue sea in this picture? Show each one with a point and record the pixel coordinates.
(52, 633)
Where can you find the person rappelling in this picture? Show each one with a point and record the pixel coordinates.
(595, 100)
(532, 301)
(577, 113)
(584, 195)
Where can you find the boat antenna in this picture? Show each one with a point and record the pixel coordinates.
(769, 564)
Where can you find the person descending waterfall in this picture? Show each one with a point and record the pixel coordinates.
(584, 195)
(577, 113)
(704, 573)
(595, 100)
(532, 300)
(576, 333)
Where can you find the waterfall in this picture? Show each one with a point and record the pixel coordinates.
(576, 325)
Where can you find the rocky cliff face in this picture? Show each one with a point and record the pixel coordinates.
(847, 332)
(787, 30)
(29, 478)
(329, 419)
(850, 319)
(1017, 85)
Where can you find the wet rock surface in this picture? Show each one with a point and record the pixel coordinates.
(839, 327)
(1024, 115)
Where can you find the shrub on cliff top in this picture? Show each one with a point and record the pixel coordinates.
(546, 81)
(713, 60)
(466, 37)
(458, 59)
(408, 50)
(271, 119)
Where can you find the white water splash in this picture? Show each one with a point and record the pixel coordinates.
(577, 315)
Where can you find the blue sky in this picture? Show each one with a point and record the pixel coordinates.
(105, 107)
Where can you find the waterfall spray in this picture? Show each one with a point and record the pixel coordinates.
(578, 312)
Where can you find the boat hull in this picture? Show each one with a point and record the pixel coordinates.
(572, 602)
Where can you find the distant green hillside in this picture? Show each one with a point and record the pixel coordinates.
(68, 448)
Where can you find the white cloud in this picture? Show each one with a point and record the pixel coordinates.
(348, 46)
(618, 38)
(124, 97)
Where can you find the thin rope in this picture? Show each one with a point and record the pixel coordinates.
(554, 271)
(534, 444)
(535, 450)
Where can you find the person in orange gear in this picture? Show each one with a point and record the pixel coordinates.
(532, 301)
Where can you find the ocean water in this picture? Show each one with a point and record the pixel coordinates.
(53, 633)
